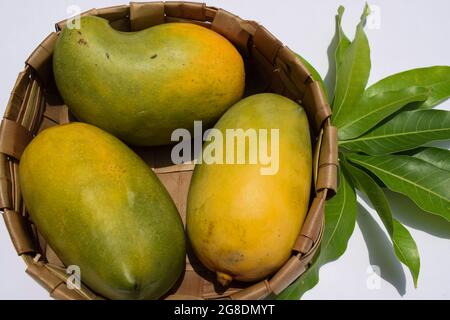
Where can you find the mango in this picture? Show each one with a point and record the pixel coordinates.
(243, 224)
(102, 209)
(140, 86)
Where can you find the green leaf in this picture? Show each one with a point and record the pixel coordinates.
(436, 79)
(369, 111)
(340, 217)
(352, 74)
(425, 184)
(315, 74)
(343, 42)
(405, 131)
(436, 156)
(339, 44)
(404, 245)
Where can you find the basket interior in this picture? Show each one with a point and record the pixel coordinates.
(175, 178)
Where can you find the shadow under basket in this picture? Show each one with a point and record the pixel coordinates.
(35, 105)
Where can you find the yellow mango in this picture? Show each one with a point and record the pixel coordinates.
(242, 224)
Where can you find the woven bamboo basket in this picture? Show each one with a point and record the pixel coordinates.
(35, 105)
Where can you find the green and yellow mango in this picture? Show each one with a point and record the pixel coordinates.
(140, 86)
(102, 209)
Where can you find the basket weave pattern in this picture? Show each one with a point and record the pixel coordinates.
(35, 105)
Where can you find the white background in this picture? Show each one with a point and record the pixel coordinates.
(411, 34)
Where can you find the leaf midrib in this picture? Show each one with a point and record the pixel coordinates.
(350, 76)
(403, 179)
(379, 109)
(407, 261)
(429, 86)
(340, 216)
(391, 135)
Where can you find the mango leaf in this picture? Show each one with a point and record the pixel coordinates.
(404, 245)
(436, 79)
(343, 42)
(436, 156)
(407, 130)
(315, 74)
(337, 47)
(369, 111)
(424, 183)
(340, 217)
(352, 74)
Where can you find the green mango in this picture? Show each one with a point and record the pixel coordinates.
(101, 208)
(140, 86)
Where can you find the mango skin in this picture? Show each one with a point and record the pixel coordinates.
(141, 86)
(241, 224)
(100, 207)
